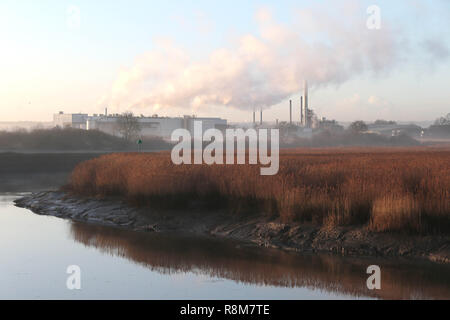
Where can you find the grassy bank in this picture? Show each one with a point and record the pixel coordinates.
(28, 163)
(70, 140)
(386, 189)
(23, 172)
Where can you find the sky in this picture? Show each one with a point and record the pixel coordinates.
(224, 58)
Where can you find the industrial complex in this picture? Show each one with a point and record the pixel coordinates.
(303, 125)
(306, 122)
(164, 126)
(149, 126)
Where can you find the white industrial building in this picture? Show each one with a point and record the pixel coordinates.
(150, 126)
(73, 120)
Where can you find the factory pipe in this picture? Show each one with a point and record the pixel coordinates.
(301, 110)
(290, 111)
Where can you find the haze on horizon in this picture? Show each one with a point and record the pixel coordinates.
(224, 59)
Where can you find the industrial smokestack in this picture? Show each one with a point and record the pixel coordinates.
(106, 111)
(290, 111)
(261, 117)
(305, 94)
(254, 116)
(301, 110)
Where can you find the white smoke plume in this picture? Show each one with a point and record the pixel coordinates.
(261, 70)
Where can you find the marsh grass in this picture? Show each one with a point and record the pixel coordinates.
(385, 189)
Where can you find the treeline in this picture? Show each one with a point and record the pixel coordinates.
(70, 139)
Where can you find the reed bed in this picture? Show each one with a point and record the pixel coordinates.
(384, 189)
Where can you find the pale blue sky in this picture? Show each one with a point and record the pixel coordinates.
(46, 65)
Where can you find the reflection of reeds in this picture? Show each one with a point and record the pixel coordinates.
(168, 254)
(386, 189)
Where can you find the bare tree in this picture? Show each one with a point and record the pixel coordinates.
(443, 121)
(358, 127)
(128, 126)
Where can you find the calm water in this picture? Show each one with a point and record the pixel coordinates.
(117, 264)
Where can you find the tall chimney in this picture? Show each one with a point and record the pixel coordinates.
(106, 111)
(261, 117)
(301, 110)
(305, 93)
(254, 116)
(290, 111)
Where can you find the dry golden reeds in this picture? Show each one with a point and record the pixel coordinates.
(387, 189)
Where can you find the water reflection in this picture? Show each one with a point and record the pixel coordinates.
(232, 260)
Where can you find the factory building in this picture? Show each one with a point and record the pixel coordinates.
(394, 129)
(149, 126)
(308, 119)
(304, 128)
(73, 120)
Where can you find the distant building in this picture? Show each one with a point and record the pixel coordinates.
(330, 125)
(150, 126)
(396, 129)
(73, 120)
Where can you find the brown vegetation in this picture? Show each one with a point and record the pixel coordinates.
(167, 254)
(386, 189)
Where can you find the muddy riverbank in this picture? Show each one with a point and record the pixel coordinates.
(261, 231)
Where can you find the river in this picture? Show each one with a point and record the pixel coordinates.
(35, 252)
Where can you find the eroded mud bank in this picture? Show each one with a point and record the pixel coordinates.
(256, 229)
